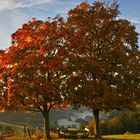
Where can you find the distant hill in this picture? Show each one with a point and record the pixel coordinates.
(57, 117)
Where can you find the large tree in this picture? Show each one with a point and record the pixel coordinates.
(103, 58)
(33, 68)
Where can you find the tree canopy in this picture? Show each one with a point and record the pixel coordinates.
(33, 67)
(104, 58)
(91, 58)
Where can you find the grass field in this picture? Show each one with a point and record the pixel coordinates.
(19, 134)
(123, 137)
(109, 137)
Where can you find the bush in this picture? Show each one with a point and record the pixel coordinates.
(116, 126)
(119, 124)
(81, 127)
(90, 127)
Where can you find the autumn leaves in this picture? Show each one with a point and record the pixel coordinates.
(87, 59)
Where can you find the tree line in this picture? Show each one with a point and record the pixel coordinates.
(123, 122)
(91, 59)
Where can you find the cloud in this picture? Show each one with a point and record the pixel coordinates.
(60, 7)
(134, 20)
(10, 22)
(14, 13)
(13, 4)
(7, 4)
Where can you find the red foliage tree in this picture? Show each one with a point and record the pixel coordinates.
(34, 68)
(92, 60)
(103, 58)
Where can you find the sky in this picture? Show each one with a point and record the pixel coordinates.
(14, 13)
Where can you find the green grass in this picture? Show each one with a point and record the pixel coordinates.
(123, 137)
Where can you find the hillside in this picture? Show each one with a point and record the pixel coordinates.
(59, 117)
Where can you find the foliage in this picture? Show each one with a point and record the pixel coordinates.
(103, 58)
(82, 126)
(90, 127)
(116, 126)
(122, 123)
(90, 59)
(33, 67)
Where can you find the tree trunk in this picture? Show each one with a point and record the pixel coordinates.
(96, 122)
(46, 126)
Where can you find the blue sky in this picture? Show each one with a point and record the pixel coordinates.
(14, 13)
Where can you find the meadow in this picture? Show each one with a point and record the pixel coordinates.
(123, 137)
(109, 137)
(16, 132)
